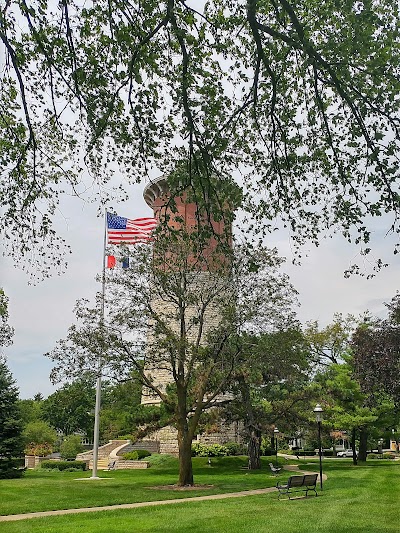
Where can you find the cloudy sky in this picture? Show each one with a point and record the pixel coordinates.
(42, 313)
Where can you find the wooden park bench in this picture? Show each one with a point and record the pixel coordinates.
(298, 484)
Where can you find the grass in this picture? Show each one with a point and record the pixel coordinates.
(42, 490)
(354, 500)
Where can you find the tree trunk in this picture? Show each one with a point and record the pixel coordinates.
(353, 445)
(184, 440)
(254, 450)
(362, 453)
(185, 459)
(251, 427)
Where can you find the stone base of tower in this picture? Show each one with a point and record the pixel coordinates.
(167, 437)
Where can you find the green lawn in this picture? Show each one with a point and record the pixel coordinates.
(42, 490)
(354, 500)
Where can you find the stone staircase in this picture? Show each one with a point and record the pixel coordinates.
(105, 453)
(152, 446)
(114, 449)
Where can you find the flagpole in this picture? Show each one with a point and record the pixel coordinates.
(96, 430)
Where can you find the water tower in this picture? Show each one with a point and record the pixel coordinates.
(181, 212)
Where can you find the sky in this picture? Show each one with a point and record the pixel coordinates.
(42, 313)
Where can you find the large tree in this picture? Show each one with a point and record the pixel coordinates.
(330, 344)
(376, 349)
(186, 318)
(270, 385)
(30, 410)
(348, 408)
(343, 351)
(120, 408)
(301, 97)
(69, 409)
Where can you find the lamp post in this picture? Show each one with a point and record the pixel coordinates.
(380, 447)
(318, 416)
(276, 431)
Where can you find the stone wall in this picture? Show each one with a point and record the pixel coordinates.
(32, 461)
(124, 464)
(168, 437)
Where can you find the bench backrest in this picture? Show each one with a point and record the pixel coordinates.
(295, 481)
(310, 479)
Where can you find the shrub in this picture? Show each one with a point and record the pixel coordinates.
(40, 438)
(64, 465)
(71, 446)
(157, 459)
(40, 450)
(388, 455)
(208, 450)
(373, 456)
(136, 455)
(217, 450)
(327, 453)
(307, 453)
(234, 448)
(199, 450)
(267, 450)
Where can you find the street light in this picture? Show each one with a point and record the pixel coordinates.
(318, 416)
(276, 431)
(380, 447)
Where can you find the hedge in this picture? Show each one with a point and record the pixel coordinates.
(136, 455)
(234, 448)
(327, 453)
(388, 455)
(208, 450)
(267, 451)
(306, 453)
(64, 465)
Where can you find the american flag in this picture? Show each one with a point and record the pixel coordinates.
(124, 230)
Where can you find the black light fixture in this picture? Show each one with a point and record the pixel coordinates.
(318, 416)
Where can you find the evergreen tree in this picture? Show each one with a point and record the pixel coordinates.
(11, 443)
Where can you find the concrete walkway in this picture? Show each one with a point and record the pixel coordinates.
(241, 494)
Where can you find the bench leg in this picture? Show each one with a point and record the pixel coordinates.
(312, 488)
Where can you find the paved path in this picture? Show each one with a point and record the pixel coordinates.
(15, 517)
